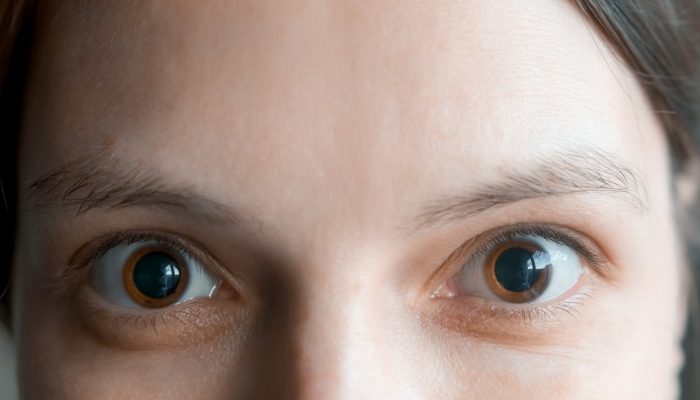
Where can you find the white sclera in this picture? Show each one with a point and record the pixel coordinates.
(108, 282)
(565, 272)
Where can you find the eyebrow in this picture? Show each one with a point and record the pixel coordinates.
(580, 171)
(89, 182)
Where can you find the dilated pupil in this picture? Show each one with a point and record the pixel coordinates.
(516, 269)
(156, 275)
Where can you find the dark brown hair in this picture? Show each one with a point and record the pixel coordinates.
(658, 39)
(15, 38)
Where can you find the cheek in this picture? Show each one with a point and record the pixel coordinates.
(98, 374)
(606, 360)
(58, 359)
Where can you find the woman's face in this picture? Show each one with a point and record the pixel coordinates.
(241, 199)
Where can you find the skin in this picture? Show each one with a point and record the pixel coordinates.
(331, 127)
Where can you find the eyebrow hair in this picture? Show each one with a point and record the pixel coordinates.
(583, 170)
(89, 182)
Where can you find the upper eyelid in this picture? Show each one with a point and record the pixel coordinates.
(548, 232)
(99, 246)
(127, 238)
(481, 244)
(90, 252)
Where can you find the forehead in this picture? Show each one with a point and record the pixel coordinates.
(371, 102)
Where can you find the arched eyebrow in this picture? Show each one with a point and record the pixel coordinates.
(89, 182)
(584, 170)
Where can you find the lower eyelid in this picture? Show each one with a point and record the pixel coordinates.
(194, 322)
(529, 327)
(513, 324)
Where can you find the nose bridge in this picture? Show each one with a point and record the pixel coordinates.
(322, 333)
(340, 335)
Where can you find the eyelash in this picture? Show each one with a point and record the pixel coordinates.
(595, 259)
(149, 326)
(484, 311)
(69, 280)
(548, 232)
(133, 237)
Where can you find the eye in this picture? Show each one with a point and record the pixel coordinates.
(517, 269)
(150, 274)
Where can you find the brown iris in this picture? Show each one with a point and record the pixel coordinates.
(518, 271)
(155, 277)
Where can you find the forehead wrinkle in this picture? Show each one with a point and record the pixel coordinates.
(580, 171)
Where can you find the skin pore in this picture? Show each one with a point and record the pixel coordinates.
(335, 165)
